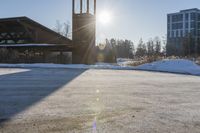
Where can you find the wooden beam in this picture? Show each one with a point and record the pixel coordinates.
(81, 6)
(73, 6)
(88, 6)
(95, 7)
(2, 36)
(28, 31)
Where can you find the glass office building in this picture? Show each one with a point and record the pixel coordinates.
(185, 23)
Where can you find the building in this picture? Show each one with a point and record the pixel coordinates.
(35, 43)
(183, 32)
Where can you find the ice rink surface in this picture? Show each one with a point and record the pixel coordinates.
(97, 101)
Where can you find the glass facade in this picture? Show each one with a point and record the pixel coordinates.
(193, 16)
(182, 24)
(186, 25)
(187, 16)
(177, 18)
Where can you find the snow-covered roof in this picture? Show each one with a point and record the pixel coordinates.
(27, 45)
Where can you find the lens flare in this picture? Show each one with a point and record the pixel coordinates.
(105, 17)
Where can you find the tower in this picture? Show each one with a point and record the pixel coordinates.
(84, 32)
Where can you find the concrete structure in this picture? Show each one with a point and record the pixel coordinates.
(84, 33)
(180, 25)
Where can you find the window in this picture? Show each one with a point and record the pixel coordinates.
(175, 18)
(186, 32)
(193, 24)
(198, 17)
(177, 33)
(198, 33)
(168, 34)
(180, 17)
(193, 16)
(173, 26)
(168, 19)
(186, 25)
(173, 34)
(176, 26)
(181, 33)
(168, 26)
(193, 32)
(186, 16)
(180, 25)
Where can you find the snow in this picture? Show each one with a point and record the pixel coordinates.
(181, 66)
(25, 45)
(124, 61)
(66, 66)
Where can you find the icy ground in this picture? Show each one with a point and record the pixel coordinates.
(69, 66)
(180, 66)
(97, 101)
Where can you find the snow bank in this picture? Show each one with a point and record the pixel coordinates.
(70, 66)
(174, 66)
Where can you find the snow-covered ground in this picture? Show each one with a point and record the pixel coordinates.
(68, 66)
(106, 101)
(124, 62)
(172, 66)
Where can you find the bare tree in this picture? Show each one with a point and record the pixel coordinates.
(58, 27)
(66, 29)
(62, 28)
(164, 46)
(141, 49)
(150, 47)
(157, 42)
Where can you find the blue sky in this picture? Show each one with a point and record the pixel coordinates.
(131, 19)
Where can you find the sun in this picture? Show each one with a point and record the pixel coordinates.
(105, 17)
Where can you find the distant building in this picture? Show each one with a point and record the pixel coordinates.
(183, 27)
(23, 40)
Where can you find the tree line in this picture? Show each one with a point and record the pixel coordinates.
(119, 48)
(113, 48)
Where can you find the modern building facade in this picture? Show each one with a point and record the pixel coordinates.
(181, 26)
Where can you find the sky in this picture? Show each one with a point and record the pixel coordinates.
(130, 19)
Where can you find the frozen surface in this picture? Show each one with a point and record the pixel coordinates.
(97, 101)
(72, 66)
